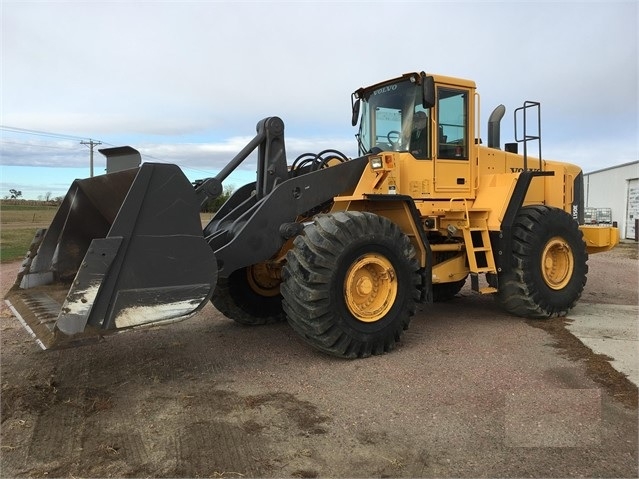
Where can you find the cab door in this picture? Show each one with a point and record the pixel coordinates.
(452, 147)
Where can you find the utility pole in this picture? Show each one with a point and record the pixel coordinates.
(91, 144)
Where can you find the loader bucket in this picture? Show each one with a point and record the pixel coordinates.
(125, 249)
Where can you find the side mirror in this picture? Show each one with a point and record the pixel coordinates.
(428, 91)
(355, 117)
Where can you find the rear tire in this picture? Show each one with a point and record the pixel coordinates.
(351, 283)
(249, 297)
(549, 264)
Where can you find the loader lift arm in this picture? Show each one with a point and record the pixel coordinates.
(264, 214)
(271, 162)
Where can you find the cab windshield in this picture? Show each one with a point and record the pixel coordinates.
(393, 119)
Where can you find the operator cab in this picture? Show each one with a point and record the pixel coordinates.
(398, 116)
(394, 117)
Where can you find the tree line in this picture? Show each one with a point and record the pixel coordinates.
(46, 198)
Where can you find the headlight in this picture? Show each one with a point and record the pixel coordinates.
(376, 162)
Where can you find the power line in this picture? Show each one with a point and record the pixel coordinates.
(47, 134)
(36, 145)
(84, 141)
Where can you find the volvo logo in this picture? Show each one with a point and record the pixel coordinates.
(385, 89)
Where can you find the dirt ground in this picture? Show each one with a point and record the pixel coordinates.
(470, 392)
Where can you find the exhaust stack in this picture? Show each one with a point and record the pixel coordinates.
(494, 126)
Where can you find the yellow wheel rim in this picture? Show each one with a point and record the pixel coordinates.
(262, 281)
(370, 288)
(557, 263)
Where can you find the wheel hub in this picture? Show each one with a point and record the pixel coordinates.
(370, 288)
(262, 280)
(557, 263)
(364, 286)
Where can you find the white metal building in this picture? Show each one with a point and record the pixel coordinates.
(615, 190)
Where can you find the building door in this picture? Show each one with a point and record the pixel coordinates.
(632, 208)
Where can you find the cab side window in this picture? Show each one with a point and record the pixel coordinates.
(452, 108)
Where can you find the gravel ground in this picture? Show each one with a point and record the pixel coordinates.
(469, 392)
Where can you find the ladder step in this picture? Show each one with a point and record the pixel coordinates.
(487, 290)
(485, 269)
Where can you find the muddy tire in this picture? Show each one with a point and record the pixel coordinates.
(249, 297)
(549, 264)
(351, 283)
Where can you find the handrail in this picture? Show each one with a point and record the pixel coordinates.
(526, 136)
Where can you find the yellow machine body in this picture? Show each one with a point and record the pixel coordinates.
(464, 195)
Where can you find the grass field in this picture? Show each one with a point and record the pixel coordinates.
(18, 224)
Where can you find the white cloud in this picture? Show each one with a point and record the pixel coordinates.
(186, 82)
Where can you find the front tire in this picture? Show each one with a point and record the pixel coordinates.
(549, 264)
(351, 283)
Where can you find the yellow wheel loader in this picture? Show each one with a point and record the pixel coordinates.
(343, 249)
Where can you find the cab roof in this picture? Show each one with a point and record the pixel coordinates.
(439, 79)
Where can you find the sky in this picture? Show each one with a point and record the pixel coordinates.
(186, 82)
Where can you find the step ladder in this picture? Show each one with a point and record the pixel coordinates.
(479, 253)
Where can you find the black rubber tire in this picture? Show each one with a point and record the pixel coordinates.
(523, 291)
(236, 300)
(314, 278)
(447, 291)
